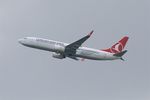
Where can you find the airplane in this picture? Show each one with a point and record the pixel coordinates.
(75, 50)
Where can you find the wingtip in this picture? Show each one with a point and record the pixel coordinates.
(91, 33)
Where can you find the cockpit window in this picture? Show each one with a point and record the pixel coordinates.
(25, 38)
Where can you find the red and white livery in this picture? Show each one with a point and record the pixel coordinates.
(75, 50)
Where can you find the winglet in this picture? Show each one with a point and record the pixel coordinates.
(91, 33)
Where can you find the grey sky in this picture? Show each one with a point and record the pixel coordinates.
(29, 74)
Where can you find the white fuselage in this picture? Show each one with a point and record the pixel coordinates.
(59, 47)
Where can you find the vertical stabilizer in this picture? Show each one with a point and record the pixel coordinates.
(119, 46)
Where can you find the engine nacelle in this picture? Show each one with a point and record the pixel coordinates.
(58, 56)
(59, 48)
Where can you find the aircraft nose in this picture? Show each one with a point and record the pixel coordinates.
(21, 41)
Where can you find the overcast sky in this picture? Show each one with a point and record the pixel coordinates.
(30, 74)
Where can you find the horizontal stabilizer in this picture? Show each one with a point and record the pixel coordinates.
(120, 54)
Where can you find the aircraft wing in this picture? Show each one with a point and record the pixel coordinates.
(71, 48)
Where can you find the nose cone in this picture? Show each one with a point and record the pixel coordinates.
(20, 41)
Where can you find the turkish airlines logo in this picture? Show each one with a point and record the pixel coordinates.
(117, 48)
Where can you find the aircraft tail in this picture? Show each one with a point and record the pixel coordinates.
(118, 47)
(120, 54)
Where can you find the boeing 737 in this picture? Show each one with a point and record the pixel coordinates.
(75, 50)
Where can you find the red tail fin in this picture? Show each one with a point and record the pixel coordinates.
(118, 47)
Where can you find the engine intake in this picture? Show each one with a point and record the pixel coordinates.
(58, 56)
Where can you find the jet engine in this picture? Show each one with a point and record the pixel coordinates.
(59, 48)
(58, 56)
